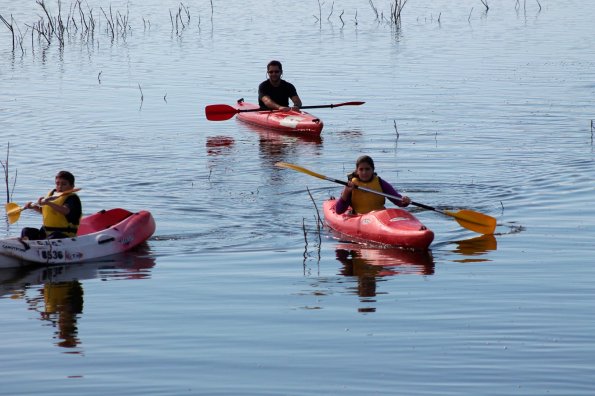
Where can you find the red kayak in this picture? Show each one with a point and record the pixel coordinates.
(298, 122)
(393, 227)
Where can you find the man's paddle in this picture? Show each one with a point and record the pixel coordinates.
(469, 219)
(222, 112)
(13, 210)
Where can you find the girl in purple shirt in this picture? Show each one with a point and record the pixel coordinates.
(364, 202)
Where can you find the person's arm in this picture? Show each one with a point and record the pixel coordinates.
(62, 209)
(293, 95)
(387, 188)
(270, 103)
(297, 102)
(74, 205)
(34, 206)
(344, 201)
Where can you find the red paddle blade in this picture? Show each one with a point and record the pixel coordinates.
(349, 104)
(220, 112)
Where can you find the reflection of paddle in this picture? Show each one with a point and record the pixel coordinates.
(222, 112)
(13, 210)
(468, 219)
(476, 246)
(470, 249)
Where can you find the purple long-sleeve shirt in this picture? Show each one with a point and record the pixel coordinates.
(341, 205)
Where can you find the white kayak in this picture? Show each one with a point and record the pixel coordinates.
(99, 235)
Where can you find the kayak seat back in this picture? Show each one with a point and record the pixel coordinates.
(102, 220)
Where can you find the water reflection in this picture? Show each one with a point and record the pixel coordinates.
(370, 264)
(474, 247)
(219, 145)
(57, 294)
(275, 146)
(63, 303)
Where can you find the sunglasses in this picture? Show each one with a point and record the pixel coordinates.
(274, 71)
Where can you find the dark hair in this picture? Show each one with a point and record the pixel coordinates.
(275, 63)
(362, 159)
(367, 159)
(66, 176)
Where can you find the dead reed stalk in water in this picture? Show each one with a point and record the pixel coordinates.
(117, 23)
(17, 38)
(142, 97)
(11, 28)
(178, 19)
(305, 236)
(485, 4)
(319, 17)
(396, 12)
(374, 9)
(331, 13)
(319, 221)
(55, 25)
(7, 175)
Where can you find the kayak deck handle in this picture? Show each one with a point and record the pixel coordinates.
(107, 240)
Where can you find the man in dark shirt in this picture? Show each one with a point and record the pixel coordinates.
(274, 93)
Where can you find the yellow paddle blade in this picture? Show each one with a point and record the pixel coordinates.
(474, 221)
(10, 206)
(13, 212)
(300, 169)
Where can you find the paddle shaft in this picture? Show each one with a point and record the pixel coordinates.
(330, 106)
(381, 193)
(222, 112)
(19, 209)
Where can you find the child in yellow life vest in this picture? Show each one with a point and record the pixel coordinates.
(61, 212)
(362, 201)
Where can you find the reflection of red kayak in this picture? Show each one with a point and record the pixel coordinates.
(394, 227)
(101, 234)
(219, 144)
(378, 261)
(298, 122)
(282, 137)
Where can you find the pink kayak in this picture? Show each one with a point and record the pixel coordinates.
(392, 227)
(99, 235)
(298, 122)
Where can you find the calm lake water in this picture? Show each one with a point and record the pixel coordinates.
(237, 293)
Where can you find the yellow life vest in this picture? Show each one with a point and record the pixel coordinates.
(56, 221)
(364, 202)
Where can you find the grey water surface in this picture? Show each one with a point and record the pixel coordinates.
(239, 292)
